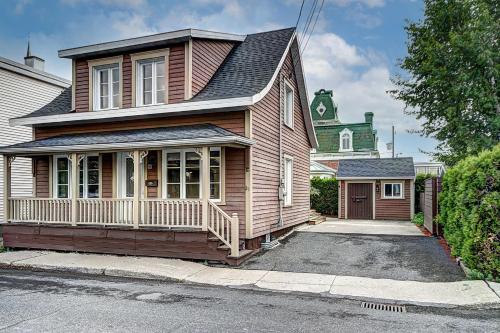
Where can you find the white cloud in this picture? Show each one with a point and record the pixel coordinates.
(20, 5)
(369, 3)
(359, 80)
(116, 3)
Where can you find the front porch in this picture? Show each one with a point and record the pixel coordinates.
(93, 193)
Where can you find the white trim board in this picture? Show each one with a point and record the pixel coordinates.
(375, 178)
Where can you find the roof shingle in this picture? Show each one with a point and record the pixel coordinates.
(376, 168)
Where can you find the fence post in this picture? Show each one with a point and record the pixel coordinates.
(74, 187)
(235, 235)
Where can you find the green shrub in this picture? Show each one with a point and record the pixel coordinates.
(470, 212)
(420, 188)
(418, 219)
(324, 195)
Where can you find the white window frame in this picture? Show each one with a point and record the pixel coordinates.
(121, 185)
(183, 174)
(55, 179)
(341, 143)
(287, 181)
(392, 183)
(139, 82)
(85, 176)
(288, 112)
(97, 91)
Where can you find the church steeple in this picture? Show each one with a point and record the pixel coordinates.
(323, 108)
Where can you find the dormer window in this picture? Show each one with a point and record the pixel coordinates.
(345, 140)
(151, 81)
(106, 87)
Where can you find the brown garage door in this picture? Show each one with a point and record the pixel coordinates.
(360, 201)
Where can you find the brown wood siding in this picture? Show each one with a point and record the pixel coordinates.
(393, 209)
(266, 159)
(232, 121)
(208, 55)
(152, 173)
(81, 86)
(170, 244)
(342, 199)
(176, 74)
(107, 175)
(235, 185)
(42, 177)
(127, 82)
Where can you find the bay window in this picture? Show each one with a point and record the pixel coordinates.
(151, 81)
(106, 87)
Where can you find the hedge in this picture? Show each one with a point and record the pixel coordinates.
(470, 212)
(324, 195)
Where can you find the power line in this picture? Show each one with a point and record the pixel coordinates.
(314, 25)
(300, 13)
(308, 20)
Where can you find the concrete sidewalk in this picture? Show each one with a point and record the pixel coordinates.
(471, 293)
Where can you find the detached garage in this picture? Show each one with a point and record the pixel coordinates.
(381, 188)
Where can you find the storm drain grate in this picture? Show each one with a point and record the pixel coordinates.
(383, 307)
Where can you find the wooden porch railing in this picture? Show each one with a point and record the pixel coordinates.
(224, 227)
(187, 214)
(170, 213)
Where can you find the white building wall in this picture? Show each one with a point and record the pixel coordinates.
(20, 95)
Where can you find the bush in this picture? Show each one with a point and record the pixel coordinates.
(324, 195)
(470, 212)
(420, 188)
(418, 219)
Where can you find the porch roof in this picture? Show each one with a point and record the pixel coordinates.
(176, 136)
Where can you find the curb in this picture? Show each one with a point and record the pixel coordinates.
(121, 273)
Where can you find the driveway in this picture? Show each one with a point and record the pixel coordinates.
(376, 249)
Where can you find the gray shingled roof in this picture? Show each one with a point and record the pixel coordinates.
(249, 67)
(246, 71)
(376, 168)
(163, 134)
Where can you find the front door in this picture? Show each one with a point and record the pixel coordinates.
(360, 201)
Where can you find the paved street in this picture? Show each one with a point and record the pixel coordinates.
(43, 302)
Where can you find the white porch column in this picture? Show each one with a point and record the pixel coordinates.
(74, 187)
(137, 188)
(205, 187)
(6, 187)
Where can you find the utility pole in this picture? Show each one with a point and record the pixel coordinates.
(393, 141)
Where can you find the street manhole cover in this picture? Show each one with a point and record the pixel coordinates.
(383, 307)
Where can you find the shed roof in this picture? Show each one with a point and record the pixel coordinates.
(192, 135)
(376, 168)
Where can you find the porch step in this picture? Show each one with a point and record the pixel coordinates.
(315, 217)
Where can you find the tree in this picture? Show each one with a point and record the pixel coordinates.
(451, 76)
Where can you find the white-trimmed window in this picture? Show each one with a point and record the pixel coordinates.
(106, 87)
(183, 174)
(125, 175)
(89, 177)
(288, 180)
(288, 105)
(151, 81)
(345, 140)
(393, 190)
(62, 177)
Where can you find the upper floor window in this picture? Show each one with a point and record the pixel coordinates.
(288, 105)
(345, 140)
(151, 81)
(106, 87)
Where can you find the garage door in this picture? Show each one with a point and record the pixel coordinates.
(360, 201)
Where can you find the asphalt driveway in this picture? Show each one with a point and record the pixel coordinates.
(383, 256)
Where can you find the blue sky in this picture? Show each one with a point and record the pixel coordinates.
(353, 51)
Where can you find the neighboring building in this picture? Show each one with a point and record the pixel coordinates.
(322, 171)
(339, 140)
(24, 88)
(432, 168)
(382, 189)
(188, 144)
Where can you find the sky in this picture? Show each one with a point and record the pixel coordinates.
(353, 50)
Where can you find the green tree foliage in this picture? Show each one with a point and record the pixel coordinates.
(325, 195)
(469, 207)
(420, 188)
(453, 66)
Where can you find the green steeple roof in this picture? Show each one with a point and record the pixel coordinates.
(323, 109)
